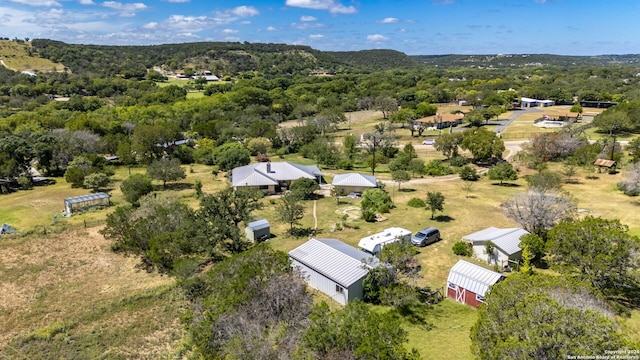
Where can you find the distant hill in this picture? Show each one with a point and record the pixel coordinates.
(375, 59)
(523, 60)
(21, 56)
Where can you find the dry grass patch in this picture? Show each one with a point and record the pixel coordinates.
(86, 298)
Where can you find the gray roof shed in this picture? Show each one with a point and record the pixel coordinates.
(355, 179)
(507, 240)
(258, 225)
(86, 198)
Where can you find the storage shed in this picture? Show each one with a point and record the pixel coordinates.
(506, 244)
(259, 230)
(84, 202)
(333, 267)
(468, 283)
(354, 182)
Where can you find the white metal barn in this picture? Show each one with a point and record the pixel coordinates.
(333, 267)
(506, 241)
(374, 243)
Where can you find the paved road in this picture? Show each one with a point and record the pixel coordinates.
(503, 124)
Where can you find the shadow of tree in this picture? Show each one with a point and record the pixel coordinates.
(443, 218)
(177, 186)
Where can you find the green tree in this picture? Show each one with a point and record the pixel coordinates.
(535, 317)
(400, 176)
(448, 144)
(96, 181)
(381, 139)
(544, 180)
(613, 121)
(502, 171)
(375, 201)
(289, 209)
(165, 169)
(435, 202)
(304, 187)
(259, 145)
(356, 332)
(425, 109)
(535, 244)
(77, 170)
(350, 146)
(134, 187)
(232, 157)
(467, 173)
(462, 248)
(483, 144)
(596, 250)
(576, 108)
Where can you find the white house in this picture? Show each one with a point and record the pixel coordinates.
(373, 244)
(272, 177)
(333, 267)
(526, 102)
(354, 182)
(506, 241)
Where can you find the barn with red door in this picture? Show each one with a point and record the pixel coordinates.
(468, 283)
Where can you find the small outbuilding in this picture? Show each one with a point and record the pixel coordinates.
(7, 229)
(506, 243)
(85, 202)
(354, 182)
(469, 283)
(333, 267)
(259, 230)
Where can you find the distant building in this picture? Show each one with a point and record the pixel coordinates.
(354, 182)
(258, 230)
(441, 121)
(526, 102)
(597, 104)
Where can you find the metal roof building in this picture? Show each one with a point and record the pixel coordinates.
(354, 182)
(506, 241)
(468, 283)
(333, 267)
(84, 202)
(258, 230)
(270, 176)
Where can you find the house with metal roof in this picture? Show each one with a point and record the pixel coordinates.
(440, 121)
(507, 244)
(354, 182)
(469, 283)
(272, 177)
(333, 267)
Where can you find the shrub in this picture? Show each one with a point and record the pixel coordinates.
(468, 173)
(437, 168)
(458, 161)
(25, 183)
(262, 158)
(416, 203)
(462, 248)
(375, 201)
(345, 164)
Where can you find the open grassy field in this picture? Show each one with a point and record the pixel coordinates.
(16, 56)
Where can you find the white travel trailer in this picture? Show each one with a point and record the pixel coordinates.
(373, 244)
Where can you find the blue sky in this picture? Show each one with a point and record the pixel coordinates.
(570, 27)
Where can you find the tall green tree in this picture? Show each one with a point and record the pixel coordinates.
(483, 144)
(290, 210)
(543, 317)
(596, 250)
(448, 144)
(134, 187)
(166, 169)
(435, 202)
(502, 171)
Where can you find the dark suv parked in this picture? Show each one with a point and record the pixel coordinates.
(426, 236)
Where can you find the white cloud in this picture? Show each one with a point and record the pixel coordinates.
(86, 2)
(306, 25)
(244, 11)
(330, 5)
(126, 10)
(389, 20)
(229, 31)
(377, 38)
(191, 23)
(37, 2)
(316, 36)
(271, 28)
(308, 18)
(231, 38)
(150, 26)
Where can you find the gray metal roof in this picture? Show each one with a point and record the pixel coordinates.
(355, 179)
(331, 260)
(473, 277)
(507, 240)
(349, 250)
(258, 225)
(269, 173)
(88, 197)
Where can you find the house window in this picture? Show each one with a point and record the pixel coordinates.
(264, 187)
(451, 286)
(339, 289)
(479, 297)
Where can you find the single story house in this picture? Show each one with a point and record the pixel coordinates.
(441, 121)
(526, 102)
(506, 241)
(333, 267)
(272, 177)
(469, 283)
(258, 230)
(354, 182)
